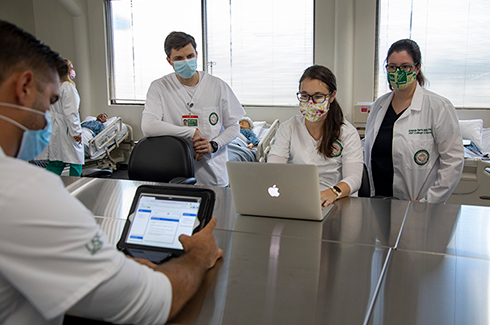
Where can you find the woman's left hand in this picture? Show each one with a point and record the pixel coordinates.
(328, 197)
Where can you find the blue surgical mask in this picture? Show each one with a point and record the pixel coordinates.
(185, 68)
(33, 141)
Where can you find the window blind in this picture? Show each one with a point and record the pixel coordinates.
(454, 40)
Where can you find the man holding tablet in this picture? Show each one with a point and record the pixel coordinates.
(54, 256)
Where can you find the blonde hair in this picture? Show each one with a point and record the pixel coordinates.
(66, 77)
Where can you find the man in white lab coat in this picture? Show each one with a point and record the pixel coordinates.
(195, 106)
(54, 255)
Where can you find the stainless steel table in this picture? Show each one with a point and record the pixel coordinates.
(440, 271)
(372, 261)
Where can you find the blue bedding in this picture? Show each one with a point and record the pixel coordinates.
(238, 151)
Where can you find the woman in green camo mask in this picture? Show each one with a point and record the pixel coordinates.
(413, 147)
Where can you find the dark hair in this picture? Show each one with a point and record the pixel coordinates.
(178, 40)
(21, 50)
(413, 50)
(335, 117)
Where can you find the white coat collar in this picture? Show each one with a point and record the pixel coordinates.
(417, 99)
(415, 104)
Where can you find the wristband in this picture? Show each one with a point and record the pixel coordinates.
(337, 191)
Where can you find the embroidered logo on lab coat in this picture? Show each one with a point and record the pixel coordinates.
(95, 244)
(213, 118)
(420, 131)
(337, 149)
(421, 157)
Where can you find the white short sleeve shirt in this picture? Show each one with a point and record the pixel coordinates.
(52, 251)
(294, 142)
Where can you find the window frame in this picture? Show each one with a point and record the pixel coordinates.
(378, 63)
(205, 64)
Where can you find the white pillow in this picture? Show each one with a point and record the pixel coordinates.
(89, 118)
(258, 128)
(472, 130)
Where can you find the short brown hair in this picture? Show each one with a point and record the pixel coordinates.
(178, 40)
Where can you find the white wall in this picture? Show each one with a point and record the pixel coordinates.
(344, 42)
(19, 12)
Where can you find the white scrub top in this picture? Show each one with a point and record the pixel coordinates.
(428, 151)
(218, 109)
(294, 143)
(66, 124)
(54, 254)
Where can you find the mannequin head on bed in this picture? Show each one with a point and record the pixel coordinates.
(246, 125)
(102, 117)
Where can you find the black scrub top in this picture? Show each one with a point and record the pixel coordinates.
(382, 155)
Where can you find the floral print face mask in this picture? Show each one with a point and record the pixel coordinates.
(312, 111)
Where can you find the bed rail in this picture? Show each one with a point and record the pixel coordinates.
(474, 185)
(265, 144)
(106, 137)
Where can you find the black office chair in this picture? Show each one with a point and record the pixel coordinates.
(162, 159)
(365, 189)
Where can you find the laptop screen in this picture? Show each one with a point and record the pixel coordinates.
(159, 220)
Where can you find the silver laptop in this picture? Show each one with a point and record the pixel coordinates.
(276, 190)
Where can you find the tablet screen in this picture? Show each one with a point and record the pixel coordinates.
(159, 220)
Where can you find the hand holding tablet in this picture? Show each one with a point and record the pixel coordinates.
(158, 217)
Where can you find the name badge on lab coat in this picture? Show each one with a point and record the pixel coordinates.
(190, 120)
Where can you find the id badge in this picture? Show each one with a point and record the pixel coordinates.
(190, 120)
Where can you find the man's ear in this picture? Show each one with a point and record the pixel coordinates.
(25, 87)
(169, 61)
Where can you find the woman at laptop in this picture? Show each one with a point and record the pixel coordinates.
(321, 136)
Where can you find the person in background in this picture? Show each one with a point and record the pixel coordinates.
(97, 125)
(413, 145)
(65, 145)
(54, 255)
(246, 126)
(195, 106)
(321, 136)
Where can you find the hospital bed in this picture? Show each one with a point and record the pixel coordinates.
(99, 149)
(474, 185)
(238, 151)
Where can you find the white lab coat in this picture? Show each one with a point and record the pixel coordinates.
(66, 124)
(428, 151)
(217, 107)
(294, 144)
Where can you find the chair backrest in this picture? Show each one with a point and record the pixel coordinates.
(160, 159)
(365, 189)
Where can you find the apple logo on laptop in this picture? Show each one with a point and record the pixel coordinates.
(273, 191)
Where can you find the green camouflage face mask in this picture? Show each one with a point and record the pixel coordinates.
(401, 79)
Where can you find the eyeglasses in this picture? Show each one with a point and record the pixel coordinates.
(317, 98)
(404, 67)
